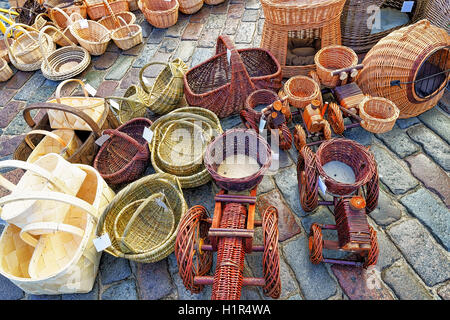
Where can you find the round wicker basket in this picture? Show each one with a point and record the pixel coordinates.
(161, 14)
(301, 90)
(378, 114)
(127, 36)
(91, 35)
(190, 6)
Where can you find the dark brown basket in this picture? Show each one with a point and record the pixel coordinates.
(352, 154)
(88, 149)
(238, 142)
(124, 157)
(222, 86)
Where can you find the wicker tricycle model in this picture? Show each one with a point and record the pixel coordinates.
(352, 200)
(230, 232)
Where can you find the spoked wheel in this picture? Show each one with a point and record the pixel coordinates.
(299, 137)
(271, 258)
(307, 177)
(326, 130)
(372, 193)
(372, 257)
(315, 244)
(191, 260)
(285, 137)
(335, 118)
(250, 118)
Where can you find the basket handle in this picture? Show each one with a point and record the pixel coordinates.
(42, 228)
(60, 107)
(62, 84)
(65, 15)
(58, 31)
(24, 28)
(45, 133)
(12, 9)
(114, 132)
(76, 15)
(141, 75)
(125, 24)
(108, 7)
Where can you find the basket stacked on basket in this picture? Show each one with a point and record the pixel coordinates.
(52, 213)
(142, 220)
(160, 13)
(179, 142)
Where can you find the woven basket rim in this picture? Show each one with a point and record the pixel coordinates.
(288, 92)
(338, 48)
(161, 12)
(74, 30)
(366, 115)
(136, 34)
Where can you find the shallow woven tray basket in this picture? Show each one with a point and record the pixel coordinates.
(378, 114)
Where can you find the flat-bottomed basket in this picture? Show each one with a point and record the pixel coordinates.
(378, 114)
(190, 6)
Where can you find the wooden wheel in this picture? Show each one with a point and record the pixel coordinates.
(307, 177)
(335, 118)
(315, 244)
(299, 137)
(285, 137)
(191, 260)
(372, 257)
(326, 130)
(271, 257)
(372, 193)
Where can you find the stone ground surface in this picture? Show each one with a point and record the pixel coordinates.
(412, 219)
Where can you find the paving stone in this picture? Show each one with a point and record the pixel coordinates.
(9, 291)
(387, 211)
(120, 68)
(392, 173)
(359, 135)
(231, 26)
(245, 32)
(107, 88)
(250, 16)
(112, 47)
(8, 113)
(176, 30)
(17, 126)
(435, 215)
(315, 282)
(153, 280)
(406, 123)
(287, 226)
(252, 4)
(266, 185)
(202, 195)
(200, 55)
(192, 31)
(295, 297)
(105, 61)
(9, 145)
(146, 28)
(434, 146)
(156, 35)
(125, 290)
(260, 26)
(404, 283)
(208, 38)
(355, 282)
(172, 263)
(286, 180)
(134, 51)
(12, 176)
(146, 55)
(398, 141)
(18, 80)
(389, 253)
(27, 91)
(94, 78)
(184, 294)
(113, 269)
(444, 291)
(221, 8)
(431, 175)
(430, 261)
(5, 96)
(44, 297)
(216, 21)
(185, 50)
(236, 10)
(91, 295)
(438, 121)
(132, 77)
(201, 16)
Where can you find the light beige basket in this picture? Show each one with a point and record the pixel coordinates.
(378, 114)
(95, 108)
(112, 22)
(49, 173)
(63, 259)
(190, 6)
(91, 35)
(62, 142)
(5, 71)
(128, 36)
(64, 27)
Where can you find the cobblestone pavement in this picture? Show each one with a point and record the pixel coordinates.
(412, 219)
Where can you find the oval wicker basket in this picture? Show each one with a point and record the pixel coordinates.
(64, 26)
(351, 153)
(125, 155)
(301, 90)
(241, 142)
(5, 71)
(190, 6)
(333, 58)
(127, 36)
(139, 190)
(112, 22)
(402, 57)
(378, 114)
(68, 7)
(159, 13)
(91, 35)
(96, 9)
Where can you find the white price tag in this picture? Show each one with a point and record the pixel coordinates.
(101, 243)
(275, 156)
(262, 124)
(114, 104)
(84, 24)
(322, 186)
(147, 134)
(229, 56)
(407, 6)
(146, 81)
(161, 204)
(90, 89)
(100, 141)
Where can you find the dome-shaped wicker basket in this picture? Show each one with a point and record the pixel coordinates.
(378, 114)
(144, 188)
(241, 142)
(301, 90)
(394, 65)
(159, 13)
(91, 35)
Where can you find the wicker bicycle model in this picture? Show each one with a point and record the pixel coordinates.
(231, 230)
(352, 200)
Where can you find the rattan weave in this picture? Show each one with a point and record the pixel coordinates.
(378, 114)
(159, 13)
(301, 90)
(91, 35)
(5, 71)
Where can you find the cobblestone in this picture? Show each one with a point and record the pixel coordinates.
(113, 269)
(153, 280)
(125, 290)
(437, 121)
(399, 142)
(387, 211)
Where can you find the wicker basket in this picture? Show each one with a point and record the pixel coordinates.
(130, 105)
(88, 149)
(128, 36)
(199, 116)
(221, 88)
(96, 9)
(256, 159)
(333, 58)
(301, 90)
(213, 2)
(66, 62)
(5, 71)
(437, 12)
(189, 6)
(3, 50)
(167, 91)
(112, 22)
(38, 267)
(63, 21)
(159, 13)
(42, 19)
(378, 114)
(133, 5)
(68, 7)
(62, 142)
(91, 35)
(140, 190)
(352, 154)
(250, 117)
(125, 155)
(404, 57)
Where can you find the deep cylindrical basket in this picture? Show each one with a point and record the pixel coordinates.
(125, 155)
(159, 13)
(244, 142)
(5, 71)
(301, 90)
(333, 58)
(353, 154)
(190, 6)
(378, 114)
(91, 35)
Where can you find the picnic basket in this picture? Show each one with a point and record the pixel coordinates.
(65, 62)
(127, 36)
(125, 155)
(142, 189)
(167, 90)
(85, 153)
(131, 105)
(222, 85)
(96, 9)
(91, 35)
(37, 267)
(378, 114)
(159, 13)
(190, 6)
(245, 167)
(301, 90)
(5, 71)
